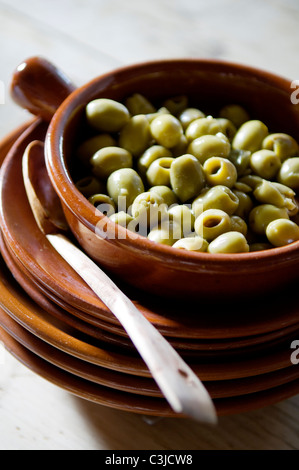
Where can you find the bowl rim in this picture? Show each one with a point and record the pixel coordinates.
(86, 213)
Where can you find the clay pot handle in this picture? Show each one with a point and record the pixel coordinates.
(40, 87)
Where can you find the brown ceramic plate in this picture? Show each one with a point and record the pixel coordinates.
(139, 404)
(35, 319)
(133, 384)
(99, 331)
(205, 320)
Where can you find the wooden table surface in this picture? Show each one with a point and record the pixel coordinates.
(86, 38)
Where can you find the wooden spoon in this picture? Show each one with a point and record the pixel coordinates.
(182, 389)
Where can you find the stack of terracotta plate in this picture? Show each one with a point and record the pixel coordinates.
(52, 322)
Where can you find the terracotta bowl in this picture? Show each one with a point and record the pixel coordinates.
(157, 268)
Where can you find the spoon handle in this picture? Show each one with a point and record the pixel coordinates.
(181, 387)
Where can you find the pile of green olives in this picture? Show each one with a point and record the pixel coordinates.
(188, 179)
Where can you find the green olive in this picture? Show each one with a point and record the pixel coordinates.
(241, 160)
(238, 224)
(90, 185)
(227, 128)
(109, 159)
(208, 146)
(282, 232)
(265, 163)
(166, 193)
(159, 171)
(151, 116)
(268, 193)
(182, 215)
(90, 146)
(195, 243)
(285, 190)
(123, 187)
(151, 154)
(219, 170)
(251, 180)
(245, 203)
(203, 126)
(260, 217)
(107, 115)
(235, 113)
(218, 197)
(250, 136)
(149, 208)
(135, 135)
(212, 223)
(167, 233)
(181, 147)
(186, 177)
(121, 218)
(282, 144)
(229, 242)
(289, 173)
(139, 104)
(103, 203)
(167, 130)
(176, 104)
(189, 115)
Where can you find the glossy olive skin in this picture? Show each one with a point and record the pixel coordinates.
(123, 186)
(166, 233)
(159, 172)
(284, 145)
(289, 173)
(263, 214)
(212, 223)
(107, 115)
(194, 243)
(189, 115)
(229, 242)
(182, 215)
(186, 177)
(166, 193)
(218, 197)
(151, 154)
(208, 146)
(90, 146)
(281, 232)
(149, 208)
(220, 171)
(135, 135)
(166, 130)
(121, 218)
(265, 163)
(250, 136)
(103, 203)
(109, 159)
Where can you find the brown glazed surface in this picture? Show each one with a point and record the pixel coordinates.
(208, 320)
(55, 349)
(142, 263)
(152, 267)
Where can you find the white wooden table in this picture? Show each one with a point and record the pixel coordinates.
(86, 38)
